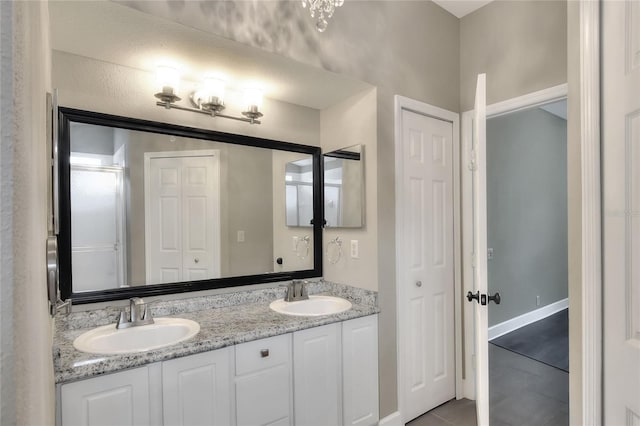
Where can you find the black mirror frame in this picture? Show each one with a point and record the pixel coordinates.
(68, 115)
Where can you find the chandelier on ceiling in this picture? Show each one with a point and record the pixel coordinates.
(322, 11)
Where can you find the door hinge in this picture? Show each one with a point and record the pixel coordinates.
(473, 165)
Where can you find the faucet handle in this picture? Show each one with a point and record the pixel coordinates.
(304, 292)
(122, 319)
(146, 313)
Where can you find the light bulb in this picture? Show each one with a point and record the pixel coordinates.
(168, 79)
(214, 90)
(252, 98)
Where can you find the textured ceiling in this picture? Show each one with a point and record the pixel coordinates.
(117, 34)
(460, 8)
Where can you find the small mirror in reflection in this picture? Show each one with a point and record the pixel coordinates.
(344, 187)
(299, 192)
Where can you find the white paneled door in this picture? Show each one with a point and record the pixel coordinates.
(480, 268)
(427, 267)
(621, 212)
(182, 216)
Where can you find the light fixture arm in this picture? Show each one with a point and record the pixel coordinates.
(211, 113)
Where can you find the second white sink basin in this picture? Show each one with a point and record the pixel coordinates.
(314, 306)
(110, 340)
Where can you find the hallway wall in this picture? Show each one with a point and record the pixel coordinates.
(527, 211)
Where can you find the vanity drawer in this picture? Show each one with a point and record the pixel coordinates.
(263, 353)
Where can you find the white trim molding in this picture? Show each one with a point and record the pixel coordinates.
(393, 419)
(403, 103)
(591, 257)
(527, 318)
(530, 100)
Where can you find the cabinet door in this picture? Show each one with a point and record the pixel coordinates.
(263, 382)
(360, 370)
(115, 399)
(196, 389)
(316, 376)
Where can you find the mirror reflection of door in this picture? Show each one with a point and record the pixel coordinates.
(299, 192)
(97, 243)
(182, 216)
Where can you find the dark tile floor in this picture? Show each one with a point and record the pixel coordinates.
(523, 392)
(546, 340)
(459, 413)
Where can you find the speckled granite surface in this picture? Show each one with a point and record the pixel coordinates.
(224, 320)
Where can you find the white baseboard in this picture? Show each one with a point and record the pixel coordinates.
(392, 419)
(525, 319)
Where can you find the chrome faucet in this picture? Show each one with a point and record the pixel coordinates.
(139, 314)
(296, 290)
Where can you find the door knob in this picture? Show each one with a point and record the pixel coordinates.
(196, 260)
(418, 283)
(482, 298)
(471, 296)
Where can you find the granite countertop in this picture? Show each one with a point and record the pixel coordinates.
(225, 320)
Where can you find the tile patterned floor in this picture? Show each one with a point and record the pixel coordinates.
(458, 413)
(523, 392)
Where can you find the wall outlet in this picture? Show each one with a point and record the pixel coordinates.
(241, 236)
(489, 254)
(355, 252)
(537, 300)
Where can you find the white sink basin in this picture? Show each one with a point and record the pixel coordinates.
(314, 306)
(110, 340)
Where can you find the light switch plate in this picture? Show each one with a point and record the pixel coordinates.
(355, 252)
(241, 236)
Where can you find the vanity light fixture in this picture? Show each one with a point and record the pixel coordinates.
(209, 100)
(323, 9)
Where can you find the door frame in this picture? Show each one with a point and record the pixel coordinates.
(403, 103)
(519, 103)
(216, 216)
(587, 405)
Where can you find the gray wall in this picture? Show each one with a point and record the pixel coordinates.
(92, 139)
(521, 45)
(527, 211)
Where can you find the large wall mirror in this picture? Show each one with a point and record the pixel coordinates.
(150, 208)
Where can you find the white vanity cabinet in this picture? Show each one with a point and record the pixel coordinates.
(123, 398)
(317, 362)
(360, 371)
(195, 389)
(325, 375)
(336, 373)
(263, 385)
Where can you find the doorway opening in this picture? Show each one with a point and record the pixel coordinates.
(527, 265)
